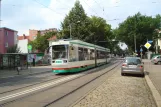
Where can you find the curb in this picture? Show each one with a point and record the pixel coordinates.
(24, 74)
(154, 91)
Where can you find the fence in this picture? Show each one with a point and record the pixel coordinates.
(13, 60)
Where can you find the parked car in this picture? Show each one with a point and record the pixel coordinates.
(156, 59)
(132, 65)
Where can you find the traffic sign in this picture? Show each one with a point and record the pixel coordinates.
(147, 45)
(141, 50)
(30, 47)
(150, 41)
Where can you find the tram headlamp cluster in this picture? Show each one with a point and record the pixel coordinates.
(65, 61)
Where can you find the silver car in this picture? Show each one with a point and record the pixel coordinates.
(156, 59)
(132, 65)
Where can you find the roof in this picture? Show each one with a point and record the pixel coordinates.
(22, 37)
(52, 38)
(8, 29)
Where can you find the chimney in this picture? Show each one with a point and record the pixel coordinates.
(24, 36)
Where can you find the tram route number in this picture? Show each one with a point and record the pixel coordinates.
(58, 61)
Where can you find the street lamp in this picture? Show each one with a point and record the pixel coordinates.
(156, 44)
(135, 35)
(70, 25)
(136, 19)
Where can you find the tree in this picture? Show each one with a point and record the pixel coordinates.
(78, 21)
(89, 29)
(41, 42)
(13, 49)
(139, 26)
(99, 31)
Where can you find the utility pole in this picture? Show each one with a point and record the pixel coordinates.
(135, 34)
(147, 42)
(70, 31)
(135, 41)
(95, 51)
(156, 44)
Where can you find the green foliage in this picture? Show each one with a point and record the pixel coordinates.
(41, 42)
(78, 21)
(13, 49)
(89, 29)
(99, 31)
(141, 26)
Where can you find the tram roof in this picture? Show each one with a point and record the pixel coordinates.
(79, 42)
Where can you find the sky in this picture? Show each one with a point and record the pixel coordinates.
(22, 15)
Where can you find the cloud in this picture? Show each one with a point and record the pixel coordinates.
(28, 14)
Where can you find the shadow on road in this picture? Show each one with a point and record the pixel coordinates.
(147, 73)
(135, 75)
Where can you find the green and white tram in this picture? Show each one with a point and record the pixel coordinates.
(75, 55)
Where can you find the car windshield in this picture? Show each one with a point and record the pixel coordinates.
(133, 61)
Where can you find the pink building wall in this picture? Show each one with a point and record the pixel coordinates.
(1, 41)
(7, 36)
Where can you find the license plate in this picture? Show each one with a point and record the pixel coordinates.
(132, 66)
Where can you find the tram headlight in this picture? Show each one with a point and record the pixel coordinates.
(65, 61)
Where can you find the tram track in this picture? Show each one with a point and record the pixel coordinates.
(65, 95)
(58, 85)
(61, 76)
(30, 85)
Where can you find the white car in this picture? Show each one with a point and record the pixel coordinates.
(156, 60)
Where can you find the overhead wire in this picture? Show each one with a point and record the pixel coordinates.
(48, 7)
(63, 3)
(90, 7)
(100, 7)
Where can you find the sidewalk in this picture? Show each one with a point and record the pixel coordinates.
(29, 71)
(153, 78)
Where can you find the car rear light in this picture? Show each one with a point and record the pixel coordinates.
(155, 60)
(124, 65)
(141, 67)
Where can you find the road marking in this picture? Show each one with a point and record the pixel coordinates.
(39, 87)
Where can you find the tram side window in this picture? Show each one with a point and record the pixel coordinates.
(103, 55)
(72, 54)
(92, 56)
(108, 54)
(81, 56)
(98, 54)
(86, 55)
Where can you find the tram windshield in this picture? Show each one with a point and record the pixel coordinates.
(59, 51)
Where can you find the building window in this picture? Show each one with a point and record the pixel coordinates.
(34, 37)
(6, 44)
(6, 33)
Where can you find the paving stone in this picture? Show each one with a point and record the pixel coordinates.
(119, 91)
